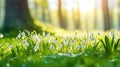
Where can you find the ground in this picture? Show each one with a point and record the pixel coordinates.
(67, 49)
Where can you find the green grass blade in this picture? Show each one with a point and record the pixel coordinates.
(108, 45)
(104, 45)
(116, 44)
(112, 41)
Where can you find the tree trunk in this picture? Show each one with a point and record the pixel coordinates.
(49, 16)
(73, 16)
(107, 23)
(48, 13)
(95, 15)
(43, 14)
(119, 12)
(36, 7)
(77, 23)
(17, 16)
(61, 20)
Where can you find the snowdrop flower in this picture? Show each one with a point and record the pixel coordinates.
(112, 34)
(78, 47)
(43, 33)
(88, 35)
(18, 36)
(65, 42)
(36, 48)
(10, 47)
(115, 37)
(61, 46)
(84, 42)
(37, 38)
(76, 35)
(82, 46)
(56, 42)
(23, 35)
(52, 47)
(1, 35)
(25, 43)
(48, 35)
(92, 38)
(51, 40)
(71, 44)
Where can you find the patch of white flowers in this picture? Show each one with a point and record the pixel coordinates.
(21, 35)
(65, 43)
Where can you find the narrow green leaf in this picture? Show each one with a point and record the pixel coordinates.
(112, 41)
(105, 47)
(116, 44)
(107, 42)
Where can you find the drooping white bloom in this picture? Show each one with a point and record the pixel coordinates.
(112, 34)
(37, 38)
(36, 48)
(78, 47)
(43, 34)
(48, 35)
(92, 38)
(76, 35)
(23, 35)
(61, 46)
(71, 44)
(88, 34)
(51, 39)
(52, 47)
(84, 42)
(25, 43)
(10, 47)
(65, 42)
(18, 36)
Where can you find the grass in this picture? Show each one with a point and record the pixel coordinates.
(69, 49)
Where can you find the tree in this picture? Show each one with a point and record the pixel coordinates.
(36, 7)
(76, 14)
(107, 23)
(95, 14)
(119, 12)
(45, 10)
(77, 23)
(17, 16)
(48, 11)
(61, 20)
(1, 12)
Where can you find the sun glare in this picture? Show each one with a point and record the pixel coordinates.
(86, 5)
